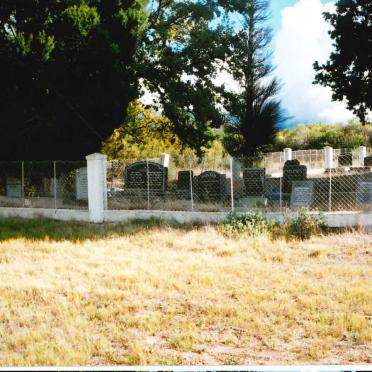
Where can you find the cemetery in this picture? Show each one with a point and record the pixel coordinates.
(344, 183)
(153, 186)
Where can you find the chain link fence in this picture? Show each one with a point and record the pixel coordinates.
(44, 184)
(222, 184)
(226, 184)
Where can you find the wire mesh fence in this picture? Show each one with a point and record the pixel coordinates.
(227, 184)
(209, 184)
(44, 184)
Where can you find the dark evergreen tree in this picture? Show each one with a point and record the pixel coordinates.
(66, 74)
(254, 111)
(348, 72)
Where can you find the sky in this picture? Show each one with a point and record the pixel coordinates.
(300, 39)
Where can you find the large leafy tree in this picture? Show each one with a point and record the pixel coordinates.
(254, 110)
(185, 42)
(67, 74)
(348, 72)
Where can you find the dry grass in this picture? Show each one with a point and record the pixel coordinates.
(185, 296)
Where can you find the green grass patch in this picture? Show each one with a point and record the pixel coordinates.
(43, 228)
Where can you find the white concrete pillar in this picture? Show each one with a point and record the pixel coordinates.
(362, 154)
(164, 158)
(97, 191)
(287, 154)
(328, 157)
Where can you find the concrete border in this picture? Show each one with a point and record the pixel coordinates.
(332, 219)
(56, 214)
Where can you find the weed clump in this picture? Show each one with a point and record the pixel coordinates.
(303, 226)
(252, 224)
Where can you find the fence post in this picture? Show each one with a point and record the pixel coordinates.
(362, 154)
(328, 157)
(148, 184)
(97, 192)
(55, 184)
(23, 183)
(330, 191)
(191, 186)
(232, 184)
(281, 193)
(287, 154)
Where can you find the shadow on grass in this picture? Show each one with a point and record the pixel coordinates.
(41, 229)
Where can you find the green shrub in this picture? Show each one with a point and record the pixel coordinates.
(303, 226)
(252, 224)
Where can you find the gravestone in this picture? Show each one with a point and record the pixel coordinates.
(254, 181)
(81, 184)
(368, 161)
(293, 171)
(302, 194)
(146, 176)
(210, 186)
(183, 180)
(345, 160)
(13, 187)
(364, 192)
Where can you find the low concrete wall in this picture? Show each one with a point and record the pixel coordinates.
(179, 216)
(332, 219)
(56, 214)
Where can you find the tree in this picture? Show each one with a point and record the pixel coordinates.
(67, 74)
(348, 72)
(184, 43)
(144, 133)
(254, 112)
(317, 136)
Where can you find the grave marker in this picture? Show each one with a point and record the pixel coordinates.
(293, 171)
(302, 194)
(345, 160)
(13, 187)
(81, 184)
(211, 186)
(254, 181)
(144, 176)
(368, 161)
(364, 192)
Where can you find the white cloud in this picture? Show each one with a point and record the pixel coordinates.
(302, 40)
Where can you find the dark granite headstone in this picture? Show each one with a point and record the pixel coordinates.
(143, 176)
(210, 186)
(254, 179)
(183, 181)
(293, 171)
(368, 161)
(345, 159)
(302, 194)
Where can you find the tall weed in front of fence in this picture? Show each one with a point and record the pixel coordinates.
(302, 225)
(251, 224)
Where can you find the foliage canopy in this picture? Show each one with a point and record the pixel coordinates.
(67, 74)
(348, 72)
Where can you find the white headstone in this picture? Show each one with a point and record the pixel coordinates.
(164, 160)
(82, 184)
(328, 157)
(13, 187)
(362, 154)
(287, 154)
